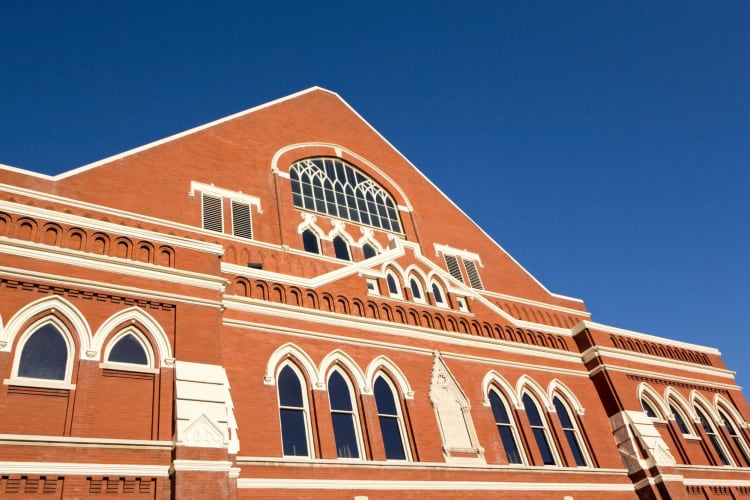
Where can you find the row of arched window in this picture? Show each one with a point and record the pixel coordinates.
(294, 374)
(699, 412)
(47, 334)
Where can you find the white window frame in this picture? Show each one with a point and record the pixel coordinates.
(399, 293)
(513, 424)
(132, 367)
(398, 401)
(41, 382)
(355, 413)
(444, 302)
(305, 412)
(422, 298)
(545, 428)
(577, 433)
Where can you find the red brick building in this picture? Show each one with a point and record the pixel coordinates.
(278, 304)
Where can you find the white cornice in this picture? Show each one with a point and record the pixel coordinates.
(643, 336)
(389, 484)
(116, 265)
(83, 469)
(665, 376)
(614, 353)
(109, 227)
(81, 442)
(276, 310)
(201, 465)
(106, 287)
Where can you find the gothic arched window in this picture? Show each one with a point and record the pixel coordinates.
(391, 422)
(343, 416)
(333, 187)
(506, 428)
(44, 354)
(572, 434)
(293, 413)
(540, 429)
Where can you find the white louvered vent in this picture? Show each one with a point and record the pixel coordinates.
(452, 263)
(242, 223)
(471, 271)
(212, 216)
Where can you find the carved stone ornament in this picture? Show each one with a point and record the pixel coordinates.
(202, 433)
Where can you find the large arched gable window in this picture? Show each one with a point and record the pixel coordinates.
(334, 187)
(344, 416)
(506, 427)
(571, 431)
(391, 420)
(540, 429)
(293, 413)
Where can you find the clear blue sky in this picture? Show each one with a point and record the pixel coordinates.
(605, 145)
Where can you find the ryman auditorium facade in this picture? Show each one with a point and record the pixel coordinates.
(278, 304)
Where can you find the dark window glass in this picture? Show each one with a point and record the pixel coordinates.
(679, 420)
(341, 248)
(44, 355)
(571, 433)
(392, 284)
(292, 414)
(437, 293)
(342, 415)
(310, 241)
(389, 421)
(505, 429)
(736, 437)
(713, 437)
(369, 251)
(128, 350)
(415, 290)
(538, 428)
(648, 409)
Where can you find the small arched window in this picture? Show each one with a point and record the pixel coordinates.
(540, 430)
(391, 423)
(310, 241)
(293, 413)
(44, 354)
(505, 428)
(393, 285)
(437, 293)
(648, 409)
(343, 416)
(128, 349)
(572, 435)
(369, 250)
(736, 437)
(713, 436)
(416, 290)
(341, 248)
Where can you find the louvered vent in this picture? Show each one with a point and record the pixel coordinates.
(471, 271)
(212, 219)
(452, 263)
(242, 224)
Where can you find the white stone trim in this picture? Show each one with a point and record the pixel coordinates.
(153, 329)
(109, 227)
(464, 254)
(82, 442)
(661, 375)
(83, 469)
(179, 465)
(338, 356)
(291, 350)
(115, 265)
(225, 193)
(384, 485)
(391, 371)
(39, 383)
(585, 324)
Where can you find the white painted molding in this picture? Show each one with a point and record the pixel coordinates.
(68, 441)
(83, 469)
(132, 315)
(643, 336)
(225, 193)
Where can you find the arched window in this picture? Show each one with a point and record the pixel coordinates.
(437, 293)
(310, 241)
(333, 187)
(679, 419)
(391, 423)
(393, 285)
(44, 354)
(128, 349)
(571, 432)
(416, 290)
(369, 250)
(713, 436)
(506, 428)
(736, 437)
(540, 430)
(293, 413)
(648, 409)
(344, 417)
(341, 248)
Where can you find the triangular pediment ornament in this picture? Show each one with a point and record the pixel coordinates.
(452, 411)
(202, 433)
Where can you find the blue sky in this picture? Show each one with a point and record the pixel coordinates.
(605, 145)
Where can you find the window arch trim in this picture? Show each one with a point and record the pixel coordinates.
(70, 347)
(155, 335)
(144, 343)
